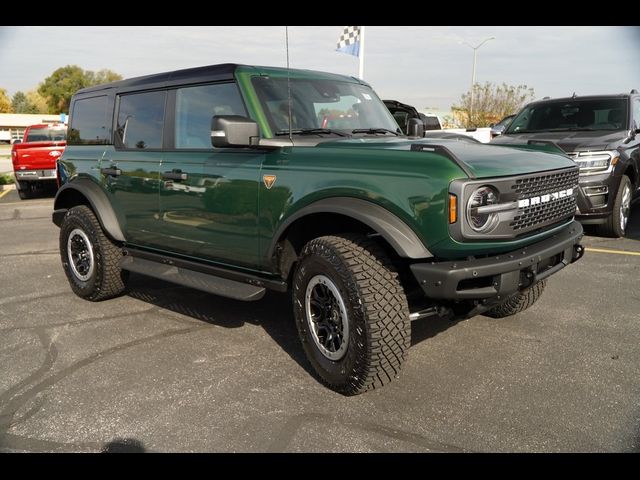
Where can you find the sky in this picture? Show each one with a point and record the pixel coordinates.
(428, 67)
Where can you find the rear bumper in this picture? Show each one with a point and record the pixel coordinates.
(496, 277)
(35, 175)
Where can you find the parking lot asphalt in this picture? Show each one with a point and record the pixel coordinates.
(170, 369)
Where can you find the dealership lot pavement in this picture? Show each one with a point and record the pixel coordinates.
(166, 368)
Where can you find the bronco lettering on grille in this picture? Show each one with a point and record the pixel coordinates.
(545, 198)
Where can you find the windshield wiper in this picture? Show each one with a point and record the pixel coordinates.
(310, 131)
(572, 129)
(543, 130)
(374, 130)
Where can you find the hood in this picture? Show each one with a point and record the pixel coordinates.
(481, 159)
(569, 141)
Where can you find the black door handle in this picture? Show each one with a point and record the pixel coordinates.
(111, 171)
(175, 175)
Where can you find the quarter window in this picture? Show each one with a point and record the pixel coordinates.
(196, 105)
(140, 120)
(90, 122)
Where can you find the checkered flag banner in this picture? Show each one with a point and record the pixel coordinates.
(349, 41)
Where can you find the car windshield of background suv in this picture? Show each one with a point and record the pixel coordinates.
(605, 114)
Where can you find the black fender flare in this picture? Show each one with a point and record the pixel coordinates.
(98, 202)
(394, 230)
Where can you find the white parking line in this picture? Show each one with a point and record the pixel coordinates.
(616, 252)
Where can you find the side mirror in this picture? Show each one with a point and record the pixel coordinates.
(415, 128)
(234, 131)
(17, 141)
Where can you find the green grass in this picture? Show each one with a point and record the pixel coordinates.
(6, 179)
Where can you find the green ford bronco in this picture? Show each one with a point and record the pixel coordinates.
(236, 179)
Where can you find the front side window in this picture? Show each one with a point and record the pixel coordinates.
(196, 105)
(140, 120)
(90, 121)
(636, 112)
(326, 104)
(572, 115)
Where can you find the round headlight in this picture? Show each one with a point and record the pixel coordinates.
(482, 222)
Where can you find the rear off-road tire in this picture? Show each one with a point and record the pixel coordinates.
(90, 259)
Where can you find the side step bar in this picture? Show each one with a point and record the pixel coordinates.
(193, 279)
(211, 279)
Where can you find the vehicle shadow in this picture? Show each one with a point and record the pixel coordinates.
(273, 313)
(124, 445)
(633, 227)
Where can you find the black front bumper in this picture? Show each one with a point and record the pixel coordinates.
(496, 277)
(595, 197)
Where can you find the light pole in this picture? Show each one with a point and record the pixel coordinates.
(473, 72)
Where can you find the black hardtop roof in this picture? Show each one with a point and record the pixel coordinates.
(221, 72)
(580, 97)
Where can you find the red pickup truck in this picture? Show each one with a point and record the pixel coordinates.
(34, 159)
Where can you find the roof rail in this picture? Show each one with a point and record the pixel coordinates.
(546, 98)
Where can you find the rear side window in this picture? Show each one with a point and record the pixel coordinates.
(431, 123)
(90, 122)
(196, 105)
(46, 134)
(140, 120)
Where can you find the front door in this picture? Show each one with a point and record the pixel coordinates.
(208, 197)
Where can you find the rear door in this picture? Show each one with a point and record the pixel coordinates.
(130, 169)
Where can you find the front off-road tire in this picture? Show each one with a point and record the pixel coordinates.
(518, 302)
(350, 276)
(90, 259)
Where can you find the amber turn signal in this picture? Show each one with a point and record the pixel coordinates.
(453, 208)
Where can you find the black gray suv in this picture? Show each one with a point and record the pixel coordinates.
(602, 135)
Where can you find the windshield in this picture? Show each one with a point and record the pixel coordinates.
(504, 121)
(46, 134)
(322, 104)
(605, 114)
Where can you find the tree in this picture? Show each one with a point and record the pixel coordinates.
(491, 103)
(37, 102)
(103, 76)
(59, 87)
(21, 104)
(5, 103)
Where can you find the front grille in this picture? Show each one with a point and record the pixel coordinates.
(543, 184)
(541, 213)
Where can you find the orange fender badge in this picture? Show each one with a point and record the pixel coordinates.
(269, 180)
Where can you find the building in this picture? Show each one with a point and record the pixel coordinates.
(12, 125)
